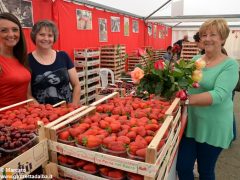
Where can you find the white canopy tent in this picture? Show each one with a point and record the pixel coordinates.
(185, 19)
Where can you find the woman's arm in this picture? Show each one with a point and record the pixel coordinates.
(202, 99)
(29, 94)
(224, 85)
(75, 85)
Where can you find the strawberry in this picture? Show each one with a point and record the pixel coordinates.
(152, 127)
(132, 135)
(65, 135)
(90, 167)
(115, 174)
(104, 170)
(141, 152)
(150, 133)
(71, 160)
(91, 141)
(160, 145)
(99, 108)
(109, 139)
(133, 147)
(148, 139)
(103, 124)
(123, 132)
(141, 131)
(52, 117)
(135, 176)
(63, 159)
(123, 139)
(80, 163)
(116, 146)
(115, 126)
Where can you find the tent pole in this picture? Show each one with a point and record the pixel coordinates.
(157, 10)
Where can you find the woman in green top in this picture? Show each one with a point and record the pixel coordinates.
(210, 112)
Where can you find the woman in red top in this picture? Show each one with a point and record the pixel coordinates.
(14, 73)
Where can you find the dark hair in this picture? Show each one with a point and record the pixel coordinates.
(20, 50)
(169, 48)
(44, 23)
(196, 37)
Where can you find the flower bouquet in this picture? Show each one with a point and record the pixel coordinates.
(166, 78)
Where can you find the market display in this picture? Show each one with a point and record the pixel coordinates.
(14, 141)
(27, 116)
(119, 131)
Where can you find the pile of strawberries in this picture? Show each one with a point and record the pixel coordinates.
(92, 168)
(121, 124)
(27, 116)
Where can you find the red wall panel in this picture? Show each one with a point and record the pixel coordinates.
(64, 15)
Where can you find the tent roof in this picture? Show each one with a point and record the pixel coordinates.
(194, 11)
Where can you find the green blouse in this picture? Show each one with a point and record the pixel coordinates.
(213, 124)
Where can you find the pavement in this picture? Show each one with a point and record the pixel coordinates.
(228, 164)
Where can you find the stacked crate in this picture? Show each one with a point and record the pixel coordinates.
(158, 54)
(189, 49)
(133, 60)
(82, 80)
(113, 57)
(88, 62)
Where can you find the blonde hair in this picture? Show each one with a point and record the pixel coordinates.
(220, 25)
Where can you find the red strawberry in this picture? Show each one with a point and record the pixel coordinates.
(109, 139)
(148, 139)
(132, 135)
(141, 152)
(90, 167)
(116, 146)
(141, 131)
(115, 174)
(150, 133)
(135, 176)
(152, 127)
(91, 141)
(63, 159)
(104, 170)
(80, 163)
(123, 139)
(160, 145)
(65, 135)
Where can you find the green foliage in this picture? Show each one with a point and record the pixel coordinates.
(165, 81)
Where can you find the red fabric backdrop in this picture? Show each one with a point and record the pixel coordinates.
(64, 15)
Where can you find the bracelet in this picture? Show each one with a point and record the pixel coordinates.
(187, 102)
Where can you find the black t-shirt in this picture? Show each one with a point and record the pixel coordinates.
(50, 83)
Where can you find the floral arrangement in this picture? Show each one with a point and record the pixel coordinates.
(176, 49)
(166, 79)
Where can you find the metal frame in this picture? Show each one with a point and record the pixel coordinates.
(163, 19)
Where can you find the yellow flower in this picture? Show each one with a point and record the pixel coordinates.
(197, 75)
(200, 63)
(137, 75)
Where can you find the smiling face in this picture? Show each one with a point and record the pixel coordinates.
(44, 38)
(211, 40)
(9, 33)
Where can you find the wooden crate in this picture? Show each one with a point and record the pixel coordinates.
(149, 170)
(121, 91)
(29, 160)
(56, 170)
(112, 57)
(189, 49)
(154, 161)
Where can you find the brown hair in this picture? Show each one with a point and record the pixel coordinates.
(20, 50)
(44, 23)
(220, 25)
